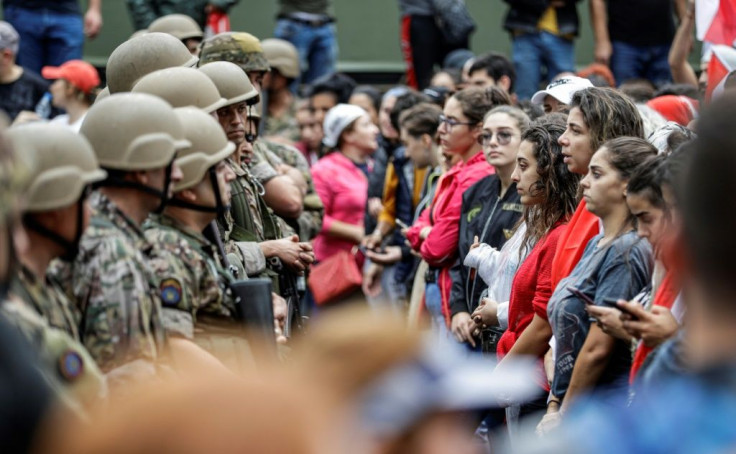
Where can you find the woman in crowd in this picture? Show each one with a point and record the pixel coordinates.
(616, 264)
(369, 98)
(596, 115)
(341, 178)
(548, 192)
(490, 210)
(435, 234)
(74, 91)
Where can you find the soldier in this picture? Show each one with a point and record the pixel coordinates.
(195, 280)
(55, 213)
(181, 27)
(280, 106)
(135, 138)
(270, 159)
(142, 55)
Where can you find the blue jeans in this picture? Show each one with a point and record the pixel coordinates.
(317, 47)
(47, 38)
(635, 62)
(531, 51)
(433, 302)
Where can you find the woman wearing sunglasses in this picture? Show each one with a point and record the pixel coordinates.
(490, 210)
(435, 234)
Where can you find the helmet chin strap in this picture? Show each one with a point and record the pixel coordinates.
(250, 135)
(70, 248)
(220, 208)
(117, 182)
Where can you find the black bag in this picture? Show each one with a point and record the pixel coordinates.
(453, 20)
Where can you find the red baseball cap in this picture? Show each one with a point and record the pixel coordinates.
(79, 73)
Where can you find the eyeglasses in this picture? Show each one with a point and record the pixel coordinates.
(503, 138)
(451, 122)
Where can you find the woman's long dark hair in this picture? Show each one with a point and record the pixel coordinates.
(557, 186)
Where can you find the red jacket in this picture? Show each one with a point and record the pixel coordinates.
(583, 226)
(439, 249)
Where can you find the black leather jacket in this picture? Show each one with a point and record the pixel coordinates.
(524, 15)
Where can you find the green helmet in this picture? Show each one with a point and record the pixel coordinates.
(182, 87)
(16, 164)
(64, 164)
(133, 131)
(232, 83)
(283, 56)
(143, 55)
(180, 26)
(240, 48)
(209, 145)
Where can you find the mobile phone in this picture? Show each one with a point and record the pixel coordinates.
(613, 302)
(401, 224)
(585, 298)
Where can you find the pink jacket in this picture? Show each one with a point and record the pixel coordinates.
(439, 249)
(343, 188)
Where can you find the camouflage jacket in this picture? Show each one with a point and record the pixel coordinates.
(284, 126)
(191, 278)
(47, 300)
(143, 12)
(65, 363)
(116, 292)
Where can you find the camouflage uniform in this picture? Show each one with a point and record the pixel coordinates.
(47, 300)
(65, 363)
(116, 292)
(285, 126)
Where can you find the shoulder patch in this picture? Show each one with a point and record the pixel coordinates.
(473, 213)
(71, 365)
(170, 291)
(508, 233)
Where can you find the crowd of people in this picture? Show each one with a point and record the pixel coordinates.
(216, 253)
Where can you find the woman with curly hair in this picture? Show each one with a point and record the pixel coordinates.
(548, 192)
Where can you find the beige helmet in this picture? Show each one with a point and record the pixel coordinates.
(182, 87)
(282, 55)
(209, 145)
(143, 55)
(240, 48)
(138, 33)
(232, 83)
(16, 165)
(180, 26)
(64, 164)
(133, 131)
(255, 111)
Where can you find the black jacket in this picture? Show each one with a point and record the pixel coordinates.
(492, 219)
(524, 15)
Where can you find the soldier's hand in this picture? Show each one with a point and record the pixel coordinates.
(291, 252)
(280, 311)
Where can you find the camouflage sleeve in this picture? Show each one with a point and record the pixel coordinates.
(141, 13)
(261, 168)
(249, 254)
(120, 309)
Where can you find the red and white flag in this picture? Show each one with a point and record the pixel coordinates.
(721, 63)
(715, 21)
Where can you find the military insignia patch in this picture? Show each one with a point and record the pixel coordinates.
(71, 365)
(170, 292)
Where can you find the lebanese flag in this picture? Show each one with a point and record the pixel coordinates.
(715, 21)
(721, 63)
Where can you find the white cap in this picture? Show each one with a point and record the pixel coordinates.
(337, 119)
(562, 89)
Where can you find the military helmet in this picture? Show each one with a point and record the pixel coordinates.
(255, 111)
(16, 164)
(232, 83)
(240, 48)
(138, 33)
(133, 131)
(180, 26)
(64, 163)
(142, 55)
(209, 145)
(282, 55)
(182, 87)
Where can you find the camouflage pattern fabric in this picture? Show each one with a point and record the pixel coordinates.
(240, 48)
(66, 364)
(191, 277)
(116, 292)
(46, 300)
(284, 126)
